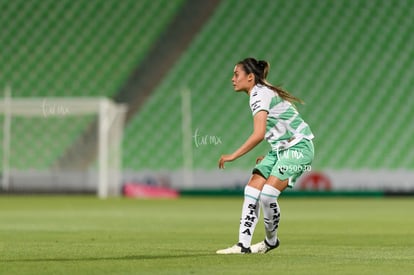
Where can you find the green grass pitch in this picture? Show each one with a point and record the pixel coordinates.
(85, 235)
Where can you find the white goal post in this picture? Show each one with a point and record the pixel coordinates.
(61, 144)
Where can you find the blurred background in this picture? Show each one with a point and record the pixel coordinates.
(170, 62)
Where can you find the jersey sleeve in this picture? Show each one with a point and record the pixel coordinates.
(260, 100)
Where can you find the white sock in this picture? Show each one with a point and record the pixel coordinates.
(271, 212)
(250, 215)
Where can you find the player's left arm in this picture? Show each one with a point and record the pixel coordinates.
(259, 131)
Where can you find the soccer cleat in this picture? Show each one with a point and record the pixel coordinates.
(263, 247)
(235, 249)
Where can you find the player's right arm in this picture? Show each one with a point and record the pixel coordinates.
(259, 131)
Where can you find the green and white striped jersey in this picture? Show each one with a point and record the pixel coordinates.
(284, 127)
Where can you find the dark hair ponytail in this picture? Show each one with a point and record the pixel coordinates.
(264, 67)
(260, 69)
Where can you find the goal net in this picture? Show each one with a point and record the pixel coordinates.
(61, 145)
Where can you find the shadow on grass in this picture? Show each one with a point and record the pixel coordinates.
(123, 258)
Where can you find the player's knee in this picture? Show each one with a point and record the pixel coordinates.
(277, 183)
(257, 181)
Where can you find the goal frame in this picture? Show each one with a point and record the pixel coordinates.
(110, 121)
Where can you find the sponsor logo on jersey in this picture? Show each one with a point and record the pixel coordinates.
(255, 105)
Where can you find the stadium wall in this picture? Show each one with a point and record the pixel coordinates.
(400, 181)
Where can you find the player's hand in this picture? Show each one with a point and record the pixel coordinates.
(225, 158)
(259, 159)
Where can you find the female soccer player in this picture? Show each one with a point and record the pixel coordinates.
(275, 119)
